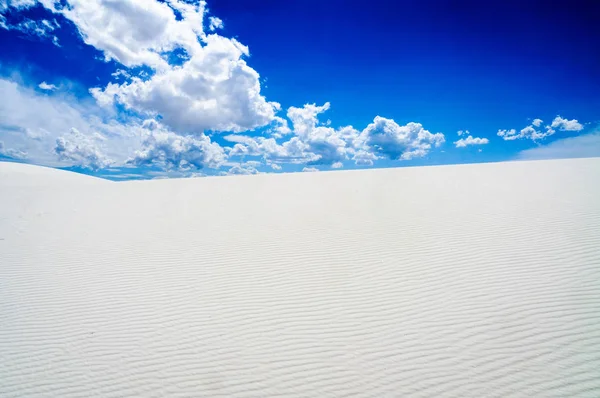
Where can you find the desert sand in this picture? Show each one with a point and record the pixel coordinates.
(452, 281)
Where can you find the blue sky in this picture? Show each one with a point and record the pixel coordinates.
(147, 88)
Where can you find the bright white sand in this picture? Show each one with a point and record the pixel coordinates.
(456, 281)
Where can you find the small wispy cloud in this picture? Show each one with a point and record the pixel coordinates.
(469, 139)
(215, 23)
(41, 29)
(47, 87)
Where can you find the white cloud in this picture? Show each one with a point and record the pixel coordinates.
(566, 125)
(364, 157)
(337, 165)
(215, 23)
(470, 140)
(11, 152)
(245, 169)
(214, 90)
(582, 146)
(532, 132)
(46, 86)
(309, 170)
(81, 150)
(461, 132)
(305, 119)
(41, 29)
(529, 132)
(385, 137)
(169, 150)
(137, 32)
(320, 144)
(31, 122)
(316, 144)
(6, 4)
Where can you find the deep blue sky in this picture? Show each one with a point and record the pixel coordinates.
(442, 63)
(450, 65)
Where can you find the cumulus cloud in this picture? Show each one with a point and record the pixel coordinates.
(214, 90)
(46, 86)
(242, 169)
(136, 32)
(386, 138)
(566, 125)
(169, 150)
(215, 23)
(309, 170)
(315, 143)
(364, 157)
(534, 133)
(469, 140)
(529, 132)
(582, 146)
(81, 150)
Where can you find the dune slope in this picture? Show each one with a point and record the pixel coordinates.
(454, 281)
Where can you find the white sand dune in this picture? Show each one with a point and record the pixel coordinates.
(455, 281)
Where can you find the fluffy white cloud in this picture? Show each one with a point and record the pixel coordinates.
(46, 86)
(215, 23)
(469, 140)
(386, 138)
(242, 169)
(305, 119)
(81, 150)
(364, 157)
(211, 88)
(214, 90)
(582, 146)
(309, 170)
(316, 144)
(566, 125)
(169, 150)
(532, 132)
(136, 32)
(528, 132)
